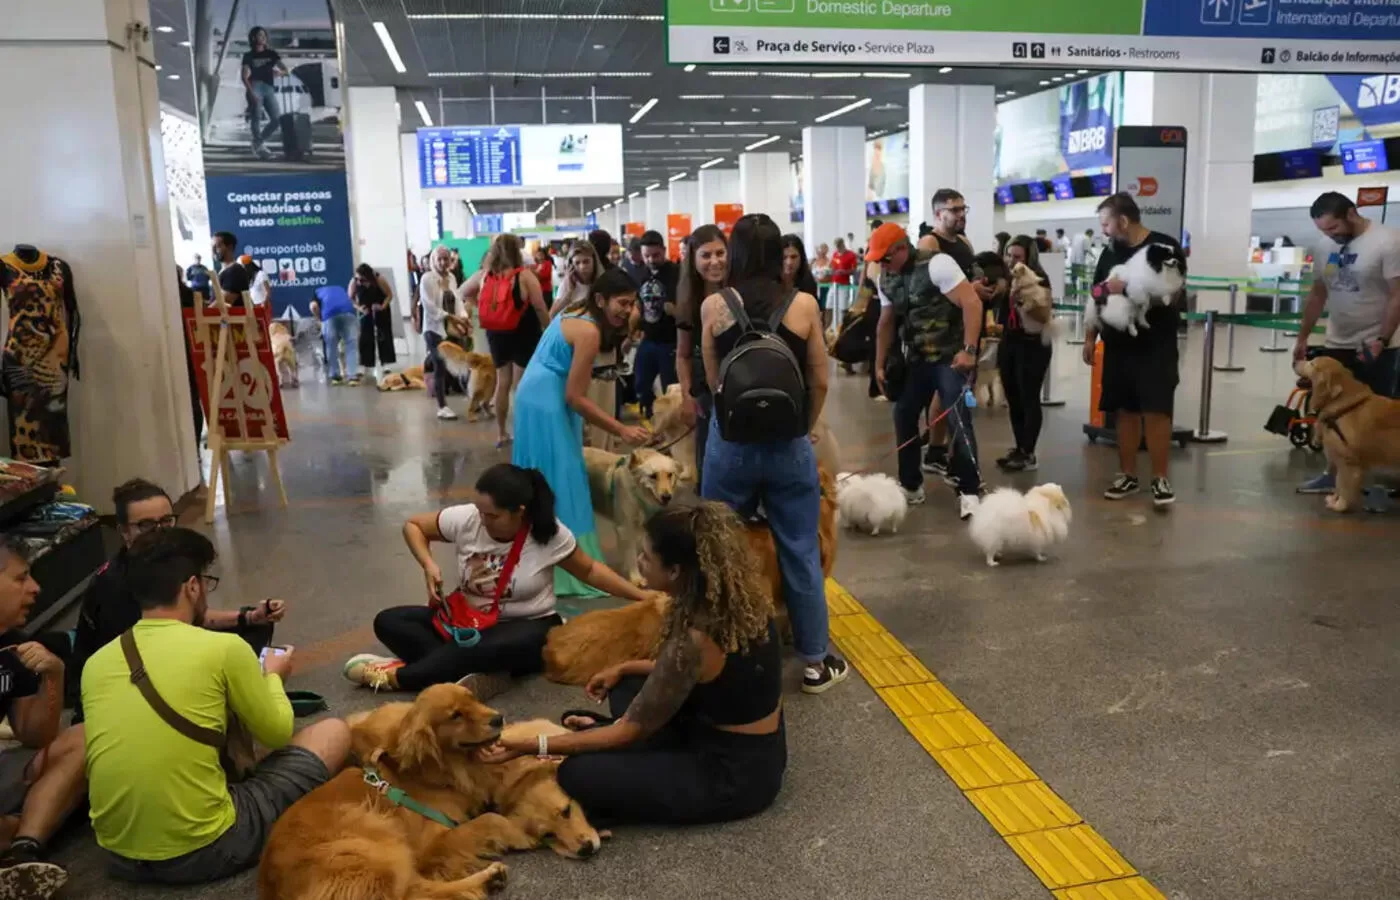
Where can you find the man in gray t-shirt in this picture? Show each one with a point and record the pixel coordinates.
(1358, 283)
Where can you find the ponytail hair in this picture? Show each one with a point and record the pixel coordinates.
(513, 488)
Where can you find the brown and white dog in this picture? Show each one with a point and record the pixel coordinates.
(626, 490)
(479, 373)
(1360, 428)
(284, 354)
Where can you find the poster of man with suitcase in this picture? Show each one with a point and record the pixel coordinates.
(267, 83)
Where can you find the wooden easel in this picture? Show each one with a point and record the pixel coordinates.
(221, 367)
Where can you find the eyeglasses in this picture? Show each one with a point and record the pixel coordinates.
(146, 526)
(955, 210)
(211, 582)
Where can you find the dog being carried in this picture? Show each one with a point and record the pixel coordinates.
(1152, 275)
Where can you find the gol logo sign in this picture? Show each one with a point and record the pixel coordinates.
(1142, 187)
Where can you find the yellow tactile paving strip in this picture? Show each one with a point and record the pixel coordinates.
(1069, 857)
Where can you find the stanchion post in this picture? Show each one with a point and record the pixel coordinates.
(1077, 337)
(1203, 434)
(1273, 346)
(1230, 334)
(1046, 396)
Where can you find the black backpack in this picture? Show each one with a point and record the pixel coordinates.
(762, 394)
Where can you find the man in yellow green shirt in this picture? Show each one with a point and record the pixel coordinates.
(161, 804)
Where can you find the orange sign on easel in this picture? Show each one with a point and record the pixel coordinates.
(677, 230)
(726, 214)
(1372, 196)
(634, 229)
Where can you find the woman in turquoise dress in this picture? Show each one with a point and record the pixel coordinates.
(552, 403)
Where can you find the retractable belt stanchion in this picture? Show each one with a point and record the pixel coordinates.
(1203, 433)
(1273, 345)
(1230, 334)
(1046, 397)
(1080, 292)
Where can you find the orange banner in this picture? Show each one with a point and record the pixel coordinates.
(634, 229)
(726, 214)
(1372, 196)
(677, 230)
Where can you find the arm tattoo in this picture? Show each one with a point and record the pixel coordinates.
(676, 673)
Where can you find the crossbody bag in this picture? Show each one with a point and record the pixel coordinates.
(458, 621)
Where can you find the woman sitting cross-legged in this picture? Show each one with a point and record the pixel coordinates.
(507, 544)
(697, 735)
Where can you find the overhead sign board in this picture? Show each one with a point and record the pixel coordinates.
(1210, 35)
(1151, 165)
(522, 161)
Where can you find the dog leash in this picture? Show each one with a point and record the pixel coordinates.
(922, 435)
(683, 435)
(399, 797)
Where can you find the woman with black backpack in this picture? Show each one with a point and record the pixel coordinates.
(766, 364)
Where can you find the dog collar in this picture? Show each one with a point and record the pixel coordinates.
(400, 797)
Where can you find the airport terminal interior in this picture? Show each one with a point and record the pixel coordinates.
(277, 203)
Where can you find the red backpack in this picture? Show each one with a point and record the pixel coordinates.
(499, 305)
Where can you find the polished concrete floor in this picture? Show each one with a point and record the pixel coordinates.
(1214, 689)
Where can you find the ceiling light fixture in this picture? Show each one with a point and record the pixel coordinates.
(702, 96)
(835, 74)
(423, 113)
(689, 68)
(1043, 82)
(542, 207)
(768, 140)
(539, 74)
(1082, 72)
(646, 108)
(945, 70)
(653, 186)
(714, 162)
(158, 67)
(1010, 93)
(1057, 78)
(843, 110)
(676, 177)
(173, 77)
(164, 29)
(184, 43)
(383, 31)
(1071, 74)
(887, 74)
(634, 195)
(565, 17)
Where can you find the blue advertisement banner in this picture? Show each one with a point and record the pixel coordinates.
(1283, 20)
(1374, 99)
(1089, 112)
(295, 226)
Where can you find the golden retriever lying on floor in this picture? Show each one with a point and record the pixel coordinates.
(478, 372)
(410, 379)
(1360, 428)
(627, 490)
(348, 841)
(579, 649)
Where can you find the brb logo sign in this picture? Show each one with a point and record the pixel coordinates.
(1087, 140)
(1378, 90)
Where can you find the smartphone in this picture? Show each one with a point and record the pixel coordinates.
(271, 651)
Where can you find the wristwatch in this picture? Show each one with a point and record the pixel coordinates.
(970, 349)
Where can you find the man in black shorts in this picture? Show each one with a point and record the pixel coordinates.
(1139, 373)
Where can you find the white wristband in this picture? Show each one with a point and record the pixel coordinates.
(543, 745)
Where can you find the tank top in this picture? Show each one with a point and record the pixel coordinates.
(725, 341)
(370, 294)
(746, 689)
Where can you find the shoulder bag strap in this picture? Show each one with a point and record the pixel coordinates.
(736, 308)
(142, 680)
(777, 319)
(508, 569)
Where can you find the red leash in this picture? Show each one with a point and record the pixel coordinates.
(922, 435)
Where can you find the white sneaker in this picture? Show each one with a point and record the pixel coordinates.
(445, 412)
(967, 505)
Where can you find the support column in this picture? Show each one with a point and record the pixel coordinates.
(376, 186)
(610, 220)
(417, 209)
(952, 144)
(685, 200)
(716, 186)
(658, 205)
(763, 185)
(1218, 114)
(100, 203)
(636, 211)
(833, 184)
(456, 218)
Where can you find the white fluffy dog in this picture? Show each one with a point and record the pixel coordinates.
(1156, 273)
(1007, 521)
(871, 503)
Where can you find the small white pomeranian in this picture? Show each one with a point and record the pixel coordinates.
(1007, 521)
(1156, 273)
(871, 503)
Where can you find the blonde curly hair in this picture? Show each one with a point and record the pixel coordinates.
(721, 592)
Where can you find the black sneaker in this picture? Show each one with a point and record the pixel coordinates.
(936, 461)
(1010, 459)
(1123, 486)
(1024, 462)
(25, 876)
(832, 671)
(1162, 493)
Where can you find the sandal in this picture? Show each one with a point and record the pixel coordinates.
(599, 720)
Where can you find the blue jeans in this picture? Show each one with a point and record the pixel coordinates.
(264, 99)
(926, 379)
(653, 358)
(342, 327)
(783, 477)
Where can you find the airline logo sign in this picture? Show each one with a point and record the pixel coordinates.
(1144, 186)
(1378, 90)
(1375, 99)
(1087, 140)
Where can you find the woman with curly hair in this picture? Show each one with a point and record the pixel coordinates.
(696, 735)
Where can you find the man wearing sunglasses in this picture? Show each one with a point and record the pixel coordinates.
(109, 607)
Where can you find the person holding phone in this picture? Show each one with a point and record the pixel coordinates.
(507, 545)
(41, 780)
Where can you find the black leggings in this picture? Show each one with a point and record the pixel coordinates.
(512, 646)
(688, 773)
(1022, 361)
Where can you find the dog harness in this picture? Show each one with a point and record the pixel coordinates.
(399, 797)
(1331, 421)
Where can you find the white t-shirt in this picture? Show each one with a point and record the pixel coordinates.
(481, 557)
(942, 271)
(1358, 276)
(430, 291)
(260, 288)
